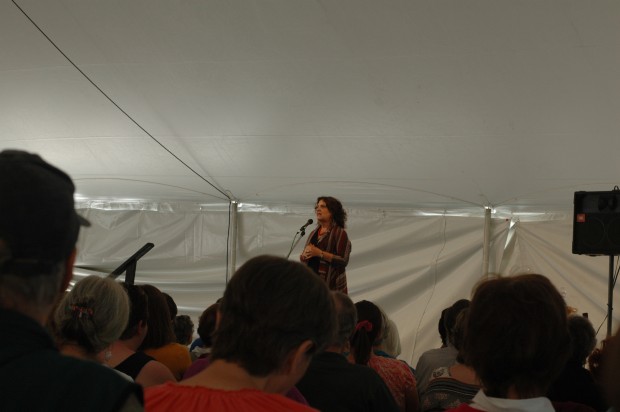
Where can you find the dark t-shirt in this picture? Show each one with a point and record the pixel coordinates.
(576, 384)
(134, 364)
(332, 384)
(34, 376)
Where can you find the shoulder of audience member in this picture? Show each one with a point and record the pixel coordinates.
(96, 381)
(132, 404)
(154, 373)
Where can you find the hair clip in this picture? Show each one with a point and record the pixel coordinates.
(366, 325)
(79, 311)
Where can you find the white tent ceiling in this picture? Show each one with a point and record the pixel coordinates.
(435, 103)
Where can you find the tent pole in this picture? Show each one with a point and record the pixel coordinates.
(487, 241)
(232, 262)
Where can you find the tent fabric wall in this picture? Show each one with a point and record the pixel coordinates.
(412, 266)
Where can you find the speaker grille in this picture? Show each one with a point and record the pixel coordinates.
(592, 232)
(596, 223)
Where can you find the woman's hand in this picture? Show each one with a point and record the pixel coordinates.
(311, 251)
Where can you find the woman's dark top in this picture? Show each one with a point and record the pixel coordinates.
(134, 364)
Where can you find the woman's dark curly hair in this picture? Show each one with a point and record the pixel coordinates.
(335, 208)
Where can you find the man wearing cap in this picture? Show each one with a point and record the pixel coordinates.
(38, 231)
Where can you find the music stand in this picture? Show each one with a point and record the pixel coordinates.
(130, 265)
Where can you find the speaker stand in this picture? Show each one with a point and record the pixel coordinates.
(610, 296)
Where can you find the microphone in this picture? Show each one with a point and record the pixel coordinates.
(308, 223)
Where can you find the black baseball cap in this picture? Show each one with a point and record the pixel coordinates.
(38, 222)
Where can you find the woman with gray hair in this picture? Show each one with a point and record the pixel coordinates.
(91, 317)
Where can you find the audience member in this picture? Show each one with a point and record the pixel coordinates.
(38, 231)
(160, 342)
(331, 383)
(517, 342)
(90, 318)
(196, 343)
(611, 372)
(183, 329)
(396, 374)
(453, 385)
(575, 383)
(597, 358)
(442, 328)
(206, 327)
(274, 316)
(389, 343)
(144, 369)
(172, 306)
(441, 357)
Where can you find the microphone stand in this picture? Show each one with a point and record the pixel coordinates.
(296, 240)
(130, 265)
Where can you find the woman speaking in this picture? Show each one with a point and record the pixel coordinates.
(328, 247)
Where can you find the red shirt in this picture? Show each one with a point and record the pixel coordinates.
(396, 375)
(171, 396)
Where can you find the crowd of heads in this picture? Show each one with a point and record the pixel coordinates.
(514, 333)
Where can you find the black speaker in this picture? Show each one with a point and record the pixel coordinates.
(596, 223)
